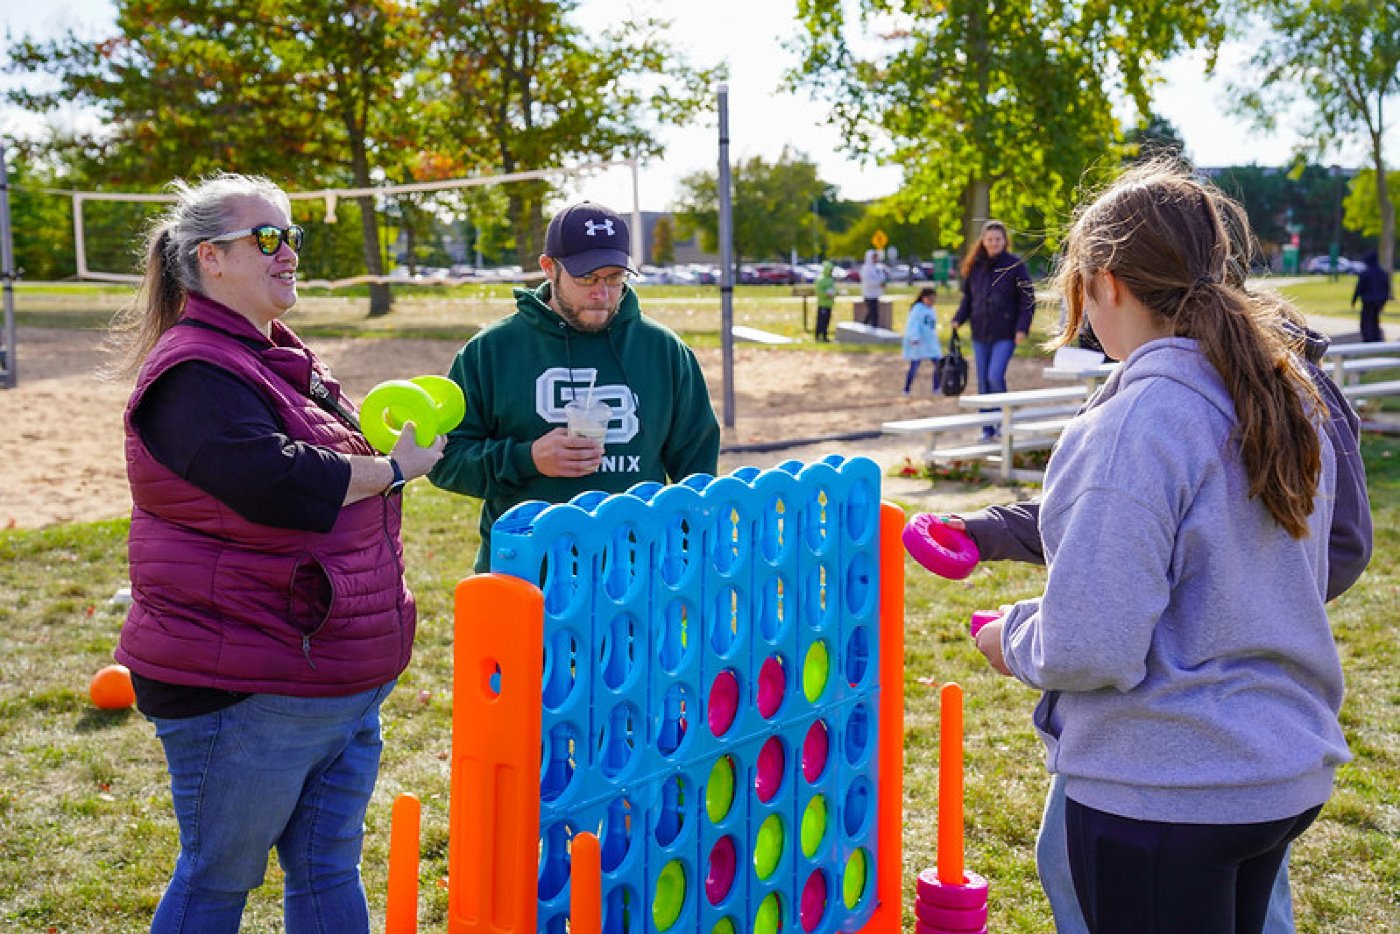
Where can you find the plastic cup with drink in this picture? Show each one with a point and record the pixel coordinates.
(588, 418)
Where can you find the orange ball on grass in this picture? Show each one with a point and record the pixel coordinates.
(111, 688)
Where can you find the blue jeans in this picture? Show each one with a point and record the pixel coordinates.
(295, 773)
(1052, 864)
(992, 358)
(914, 370)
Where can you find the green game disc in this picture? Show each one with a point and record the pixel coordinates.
(670, 895)
(769, 917)
(815, 671)
(769, 848)
(813, 826)
(725, 926)
(853, 885)
(719, 790)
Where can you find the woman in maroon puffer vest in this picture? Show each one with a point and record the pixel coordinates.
(270, 616)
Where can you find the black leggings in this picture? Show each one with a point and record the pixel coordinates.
(1146, 877)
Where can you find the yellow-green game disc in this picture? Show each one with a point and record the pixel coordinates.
(670, 895)
(769, 917)
(853, 883)
(815, 671)
(394, 402)
(813, 826)
(769, 848)
(451, 404)
(719, 790)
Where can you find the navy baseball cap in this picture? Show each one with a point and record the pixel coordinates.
(587, 236)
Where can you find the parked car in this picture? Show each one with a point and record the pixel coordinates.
(767, 274)
(1320, 265)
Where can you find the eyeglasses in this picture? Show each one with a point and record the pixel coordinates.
(269, 237)
(615, 281)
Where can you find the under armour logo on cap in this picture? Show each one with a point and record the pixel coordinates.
(585, 237)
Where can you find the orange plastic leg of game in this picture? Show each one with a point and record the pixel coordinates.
(586, 885)
(889, 810)
(493, 834)
(401, 911)
(950, 785)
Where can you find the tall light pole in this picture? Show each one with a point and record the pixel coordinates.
(1336, 250)
(726, 259)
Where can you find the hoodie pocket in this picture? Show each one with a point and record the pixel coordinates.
(1048, 725)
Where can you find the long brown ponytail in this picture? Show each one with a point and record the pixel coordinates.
(1181, 248)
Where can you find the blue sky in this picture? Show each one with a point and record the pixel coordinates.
(746, 34)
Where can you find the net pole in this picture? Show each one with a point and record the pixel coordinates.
(79, 243)
(9, 371)
(726, 259)
(638, 253)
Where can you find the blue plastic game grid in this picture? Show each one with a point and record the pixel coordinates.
(651, 595)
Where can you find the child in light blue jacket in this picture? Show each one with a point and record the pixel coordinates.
(921, 338)
(1191, 682)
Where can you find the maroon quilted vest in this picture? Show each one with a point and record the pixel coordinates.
(218, 600)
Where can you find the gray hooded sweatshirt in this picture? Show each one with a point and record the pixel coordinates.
(1182, 639)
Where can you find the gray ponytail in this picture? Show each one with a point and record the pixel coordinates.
(171, 261)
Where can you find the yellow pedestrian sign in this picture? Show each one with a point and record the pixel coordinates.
(879, 240)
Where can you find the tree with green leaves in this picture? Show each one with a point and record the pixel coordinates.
(1362, 204)
(1340, 59)
(663, 241)
(911, 238)
(1305, 198)
(516, 87)
(304, 93)
(990, 108)
(772, 206)
(1153, 138)
(41, 223)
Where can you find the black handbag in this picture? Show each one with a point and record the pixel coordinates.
(952, 368)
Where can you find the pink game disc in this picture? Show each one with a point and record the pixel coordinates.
(720, 877)
(724, 702)
(921, 928)
(950, 919)
(981, 618)
(813, 903)
(971, 894)
(940, 548)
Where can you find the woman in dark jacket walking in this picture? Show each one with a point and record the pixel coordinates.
(998, 297)
(1373, 291)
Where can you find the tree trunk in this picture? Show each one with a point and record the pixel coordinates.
(977, 209)
(1386, 252)
(527, 223)
(380, 298)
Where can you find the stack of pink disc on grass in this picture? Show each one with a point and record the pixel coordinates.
(949, 900)
(950, 909)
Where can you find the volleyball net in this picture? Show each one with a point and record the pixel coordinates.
(455, 216)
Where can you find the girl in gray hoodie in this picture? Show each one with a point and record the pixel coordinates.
(1192, 684)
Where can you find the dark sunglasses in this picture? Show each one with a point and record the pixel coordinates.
(269, 237)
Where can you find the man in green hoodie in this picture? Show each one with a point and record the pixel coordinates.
(580, 336)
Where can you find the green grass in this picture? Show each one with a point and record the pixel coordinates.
(456, 312)
(88, 839)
